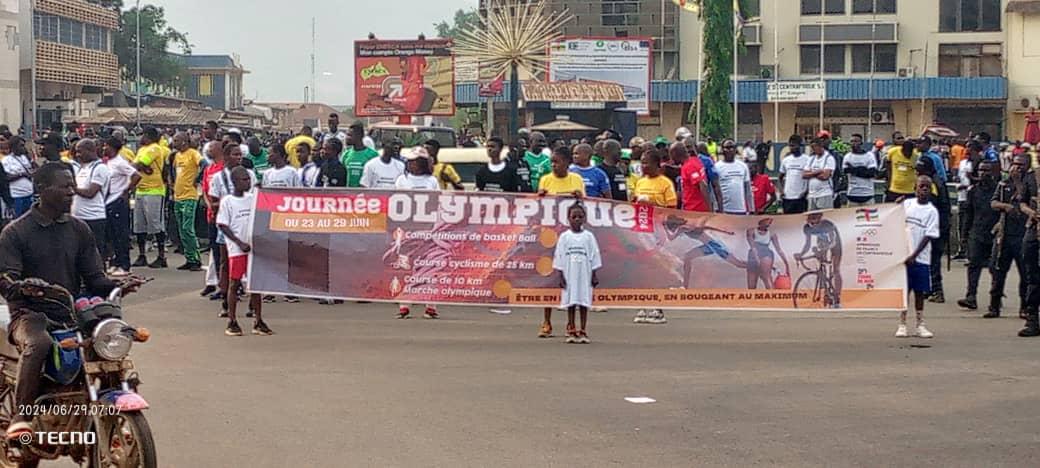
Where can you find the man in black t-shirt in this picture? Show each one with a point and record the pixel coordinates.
(498, 175)
(333, 173)
(978, 208)
(1025, 197)
(617, 172)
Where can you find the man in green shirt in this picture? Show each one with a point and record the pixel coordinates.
(539, 163)
(357, 154)
(257, 158)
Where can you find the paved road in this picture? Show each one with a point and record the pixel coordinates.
(351, 386)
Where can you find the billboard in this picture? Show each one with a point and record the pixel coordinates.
(495, 249)
(404, 78)
(625, 61)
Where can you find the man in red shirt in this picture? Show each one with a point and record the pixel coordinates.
(212, 271)
(762, 187)
(694, 180)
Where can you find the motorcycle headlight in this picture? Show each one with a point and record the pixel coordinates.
(110, 343)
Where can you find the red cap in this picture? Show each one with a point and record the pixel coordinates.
(823, 134)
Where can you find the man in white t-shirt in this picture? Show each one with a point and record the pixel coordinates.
(19, 169)
(819, 173)
(964, 183)
(382, 172)
(123, 175)
(922, 225)
(791, 169)
(92, 186)
(281, 174)
(734, 180)
(861, 167)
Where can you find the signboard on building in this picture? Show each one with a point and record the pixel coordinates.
(404, 78)
(623, 61)
(796, 91)
(467, 69)
(573, 95)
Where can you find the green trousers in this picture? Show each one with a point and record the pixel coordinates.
(184, 210)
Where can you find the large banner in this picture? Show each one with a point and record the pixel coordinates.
(492, 249)
(625, 61)
(403, 78)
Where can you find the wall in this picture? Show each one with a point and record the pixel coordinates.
(1023, 69)
(10, 105)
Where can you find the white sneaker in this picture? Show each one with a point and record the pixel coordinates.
(923, 332)
(658, 317)
(901, 331)
(640, 317)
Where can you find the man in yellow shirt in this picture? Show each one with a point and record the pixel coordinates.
(900, 170)
(556, 183)
(187, 164)
(151, 191)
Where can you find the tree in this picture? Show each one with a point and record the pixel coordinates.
(718, 63)
(464, 20)
(159, 67)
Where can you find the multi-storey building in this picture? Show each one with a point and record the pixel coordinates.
(888, 64)
(10, 109)
(72, 56)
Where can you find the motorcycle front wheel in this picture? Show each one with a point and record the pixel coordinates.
(130, 443)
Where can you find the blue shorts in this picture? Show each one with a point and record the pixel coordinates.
(715, 247)
(919, 278)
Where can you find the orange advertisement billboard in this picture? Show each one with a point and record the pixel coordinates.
(394, 78)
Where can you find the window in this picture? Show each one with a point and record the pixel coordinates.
(95, 37)
(753, 8)
(46, 27)
(969, 15)
(834, 59)
(971, 60)
(832, 7)
(884, 58)
(205, 85)
(748, 63)
(620, 12)
(880, 7)
(70, 32)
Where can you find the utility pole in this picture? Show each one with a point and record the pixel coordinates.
(137, 84)
(32, 50)
(314, 47)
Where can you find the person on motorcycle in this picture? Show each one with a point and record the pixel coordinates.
(39, 254)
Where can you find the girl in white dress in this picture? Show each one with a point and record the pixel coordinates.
(577, 258)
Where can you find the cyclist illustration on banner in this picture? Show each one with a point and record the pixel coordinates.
(823, 284)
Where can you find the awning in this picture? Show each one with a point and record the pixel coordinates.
(940, 130)
(563, 125)
(1024, 6)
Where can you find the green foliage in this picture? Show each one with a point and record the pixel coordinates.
(839, 146)
(464, 20)
(116, 4)
(717, 117)
(159, 67)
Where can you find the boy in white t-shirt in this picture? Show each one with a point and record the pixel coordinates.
(418, 177)
(922, 224)
(235, 221)
(281, 174)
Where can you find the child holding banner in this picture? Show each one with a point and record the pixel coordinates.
(559, 182)
(654, 189)
(577, 258)
(418, 176)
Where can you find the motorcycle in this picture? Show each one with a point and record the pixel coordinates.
(88, 408)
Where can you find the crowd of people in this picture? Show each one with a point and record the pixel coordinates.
(180, 185)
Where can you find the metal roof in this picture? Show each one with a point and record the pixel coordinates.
(844, 89)
(208, 61)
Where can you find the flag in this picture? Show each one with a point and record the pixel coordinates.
(867, 215)
(738, 19)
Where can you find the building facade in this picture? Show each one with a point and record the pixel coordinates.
(71, 55)
(10, 107)
(216, 80)
(889, 65)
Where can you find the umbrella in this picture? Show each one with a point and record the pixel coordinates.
(563, 125)
(940, 130)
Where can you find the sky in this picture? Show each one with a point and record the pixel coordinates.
(273, 37)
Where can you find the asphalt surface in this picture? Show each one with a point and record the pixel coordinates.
(350, 385)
